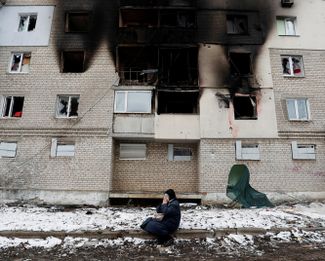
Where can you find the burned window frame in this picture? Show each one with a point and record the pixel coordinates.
(68, 106)
(232, 18)
(26, 28)
(13, 152)
(126, 99)
(282, 21)
(64, 61)
(10, 112)
(67, 28)
(253, 100)
(291, 72)
(20, 69)
(296, 109)
(232, 63)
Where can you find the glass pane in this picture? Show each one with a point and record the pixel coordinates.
(25, 63)
(23, 24)
(120, 102)
(65, 150)
(7, 106)
(280, 26)
(139, 102)
(62, 110)
(290, 27)
(286, 66)
(32, 22)
(74, 107)
(17, 110)
(16, 58)
(291, 109)
(302, 109)
(297, 66)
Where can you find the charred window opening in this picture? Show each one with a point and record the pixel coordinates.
(73, 61)
(138, 18)
(177, 18)
(138, 65)
(27, 22)
(77, 22)
(240, 63)
(11, 106)
(245, 107)
(237, 24)
(178, 66)
(178, 102)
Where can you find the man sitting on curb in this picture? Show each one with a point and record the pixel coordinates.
(166, 221)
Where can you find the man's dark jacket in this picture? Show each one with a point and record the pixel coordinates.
(172, 214)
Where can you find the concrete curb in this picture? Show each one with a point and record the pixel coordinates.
(180, 234)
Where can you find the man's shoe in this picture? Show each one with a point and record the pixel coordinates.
(169, 242)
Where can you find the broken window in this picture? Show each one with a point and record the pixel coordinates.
(139, 18)
(177, 18)
(133, 151)
(73, 61)
(77, 22)
(8, 149)
(247, 151)
(27, 22)
(298, 109)
(11, 106)
(20, 63)
(132, 102)
(240, 63)
(303, 151)
(185, 101)
(237, 24)
(245, 107)
(67, 106)
(286, 25)
(179, 153)
(62, 148)
(292, 66)
(178, 66)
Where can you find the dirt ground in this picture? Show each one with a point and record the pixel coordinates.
(183, 250)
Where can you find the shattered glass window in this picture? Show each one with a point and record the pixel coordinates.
(20, 63)
(292, 66)
(67, 106)
(237, 24)
(27, 23)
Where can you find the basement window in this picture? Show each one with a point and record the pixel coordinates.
(27, 22)
(237, 24)
(132, 102)
(247, 151)
(245, 107)
(298, 109)
(62, 148)
(133, 151)
(73, 61)
(303, 151)
(286, 25)
(11, 106)
(292, 66)
(77, 22)
(8, 149)
(67, 106)
(179, 153)
(185, 102)
(20, 63)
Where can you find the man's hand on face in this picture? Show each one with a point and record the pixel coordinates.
(165, 199)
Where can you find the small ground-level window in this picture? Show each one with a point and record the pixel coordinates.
(132, 151)
(67, 106)
(20, 62)
(179, 153)
(298, 109)
(11, 106)
(247, 151)
(77, 22)
(8, 149)
(303, 151)
(62, 148)
(73, 61)
(27, 22)
(132, 102)
(286, 25)
(292, 66)
(245, 107)
(237, 24)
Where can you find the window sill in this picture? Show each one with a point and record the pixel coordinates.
(300, 120)
(66, 118)
(10, 118)
(290, 35)
(17, 73)
(293, 76)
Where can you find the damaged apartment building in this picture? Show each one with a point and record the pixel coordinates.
(103, 101)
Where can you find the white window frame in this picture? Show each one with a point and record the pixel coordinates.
(303, 151)
(283, 21)
(290, 57)
(57, 145)
(28, 15)
(247, 151)
(296, 107)
(173, 157)
(128, 151)
(68, 106)
(6, 152)
(126, 97)
(20, 67)
(3, 106)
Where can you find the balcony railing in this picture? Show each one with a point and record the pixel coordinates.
(134, 76)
